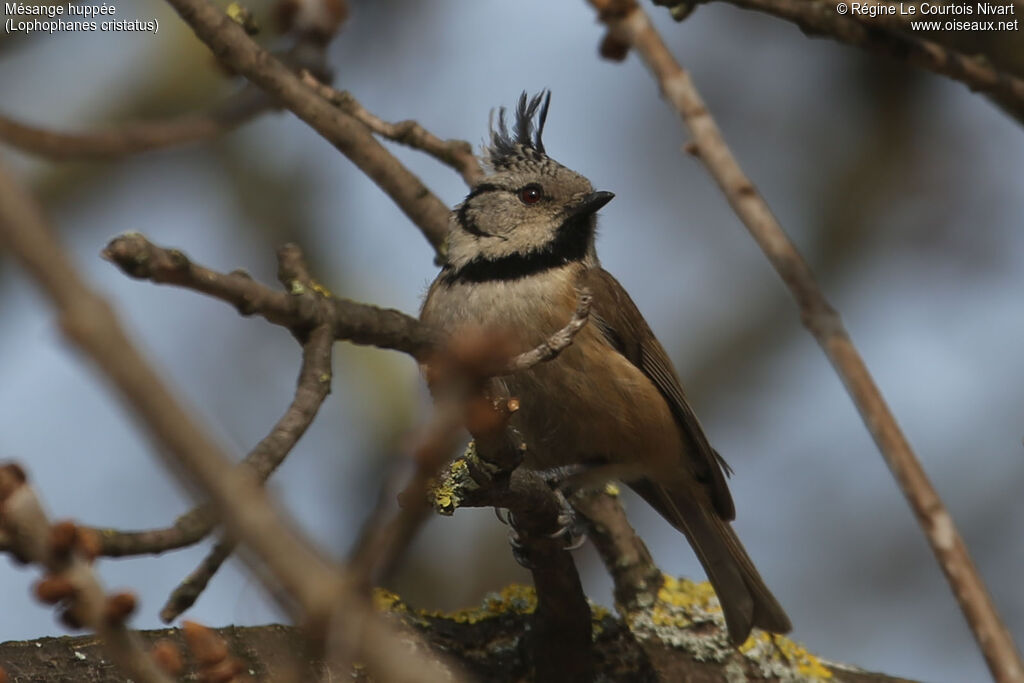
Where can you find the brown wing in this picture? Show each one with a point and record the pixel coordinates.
(619, 320)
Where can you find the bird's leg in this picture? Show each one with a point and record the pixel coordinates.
(563, 481)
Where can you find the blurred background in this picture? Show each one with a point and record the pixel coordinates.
(902, 189)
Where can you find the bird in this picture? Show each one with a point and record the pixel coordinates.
(520, 251)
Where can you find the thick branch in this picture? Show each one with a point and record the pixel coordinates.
(488, 477)
(630, 25)
(490, 645)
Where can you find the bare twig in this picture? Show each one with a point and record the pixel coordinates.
(135, 137)
(455, 153)
(193, 585)
(313, 386)
(819, 18)
(140, 258)
(351, 321)
(236, 50)
(556, 343)
(630, 25)
(70, 579)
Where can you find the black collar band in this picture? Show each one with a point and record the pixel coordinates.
(569, 246)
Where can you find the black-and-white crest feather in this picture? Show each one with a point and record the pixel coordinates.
(525, 142)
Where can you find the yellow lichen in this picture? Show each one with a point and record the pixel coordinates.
(687, 594)
(515, 599)
(444, 492)
(680, 600)
(776, 653)
(386, 601)
(320, 289)
(242, 16)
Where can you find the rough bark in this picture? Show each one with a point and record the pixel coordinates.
(491, 642)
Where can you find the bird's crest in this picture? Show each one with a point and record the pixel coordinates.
(524, 143)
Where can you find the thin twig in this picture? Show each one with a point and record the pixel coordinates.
(193, 585)
(551, 347)
(457, 154)
(70, 579)
(139, 258)
(236, 50)
(630, 25)
(355, 322)
(313, 386)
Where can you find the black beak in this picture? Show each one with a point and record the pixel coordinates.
(591, 203)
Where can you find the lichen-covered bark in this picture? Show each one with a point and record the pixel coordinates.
(678, 640)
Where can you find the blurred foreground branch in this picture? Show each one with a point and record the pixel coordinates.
(65, 554)
(317, 592)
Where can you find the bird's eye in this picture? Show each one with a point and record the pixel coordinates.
(531, 194)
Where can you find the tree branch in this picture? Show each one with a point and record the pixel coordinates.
(819, 18)
(458, 154)
(635, 576)
(551, 347)
(489, 640)
(313, 386)
(359, 323)
(628, 24)
(236, 50)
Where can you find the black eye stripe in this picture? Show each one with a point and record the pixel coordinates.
(483, 188)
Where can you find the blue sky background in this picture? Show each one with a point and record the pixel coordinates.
(902, 189)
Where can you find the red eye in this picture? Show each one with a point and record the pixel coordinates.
(531, 194)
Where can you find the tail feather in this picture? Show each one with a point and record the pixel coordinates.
(745, 599)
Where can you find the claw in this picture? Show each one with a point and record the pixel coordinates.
(578, 543)
(517, 550)
(502, 515)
